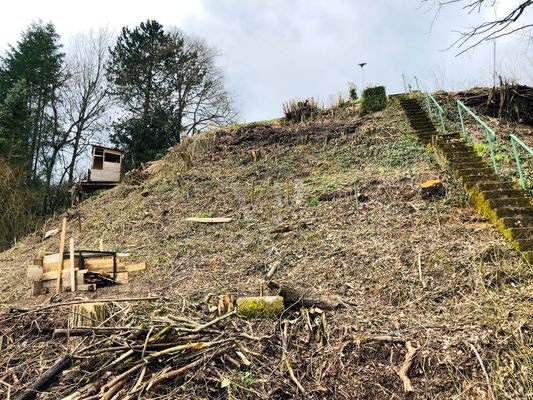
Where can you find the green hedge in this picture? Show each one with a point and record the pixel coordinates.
(373, 99)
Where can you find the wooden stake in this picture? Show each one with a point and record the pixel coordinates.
(61, 252)
(72, 267)
(101, 245)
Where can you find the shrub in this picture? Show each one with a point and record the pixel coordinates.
(18, 203)
(298, 111)
(353, 92)
(373, 99)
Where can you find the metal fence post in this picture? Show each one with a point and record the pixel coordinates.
(518, 164)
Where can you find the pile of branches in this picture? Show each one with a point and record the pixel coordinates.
(156, 348)
(510, 101)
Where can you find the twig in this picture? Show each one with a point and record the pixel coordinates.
(420, 270)
(406, 366)
(489, 387)
(208, 324)
(285, 359)
(85, 301)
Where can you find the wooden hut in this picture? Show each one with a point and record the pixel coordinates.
(105, 166)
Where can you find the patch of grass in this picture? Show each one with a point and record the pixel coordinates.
(204, 215)
(313, 201)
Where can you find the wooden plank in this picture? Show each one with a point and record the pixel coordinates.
(37, 287)
(135, 267)
(72, 268)
(91, 264)
(61, 250)
(47, 276)
(91, 287)
(219, 220)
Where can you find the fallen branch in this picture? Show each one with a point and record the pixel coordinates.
(296, 298)
(406, 366)
(484, 370)
(46, 379)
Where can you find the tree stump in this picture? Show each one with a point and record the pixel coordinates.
(433, 189)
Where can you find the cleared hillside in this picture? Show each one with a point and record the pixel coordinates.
(335, 203)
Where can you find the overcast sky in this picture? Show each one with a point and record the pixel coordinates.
(275, 50)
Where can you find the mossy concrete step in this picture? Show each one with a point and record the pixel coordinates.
(522, 237)
(453, 145)
(418, 118)
(471, 182)
(471, 169)
(513, 212)
(504, 193)
(500, 185)
(467, 160)
(517, 222)
(466, 165)
(508, 202)
(476, 175)
(421, 123)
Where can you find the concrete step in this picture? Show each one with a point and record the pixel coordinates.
(471, 181)
(504, 193)
(471, 169)
(501, 185)
(505, 202)
(514, 212)
(517, 222)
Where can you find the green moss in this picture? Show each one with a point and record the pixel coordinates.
(260, 307)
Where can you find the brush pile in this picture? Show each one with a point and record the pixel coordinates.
(143, 351)
(510, 101)
(299, 111)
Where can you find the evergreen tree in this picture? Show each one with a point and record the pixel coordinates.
(36, 60)
(168, 85)
(15, 127)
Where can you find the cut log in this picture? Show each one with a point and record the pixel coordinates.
(298, 298)
(260, 307)
(432, 189)
(87, 314)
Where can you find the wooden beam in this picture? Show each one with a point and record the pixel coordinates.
(135, 267)
(61, 251)
(72, 267)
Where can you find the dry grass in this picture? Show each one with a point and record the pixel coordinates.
(471, 289)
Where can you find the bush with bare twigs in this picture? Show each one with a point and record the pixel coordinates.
(16, 200)
(299, 111)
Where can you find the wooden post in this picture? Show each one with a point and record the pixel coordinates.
(61, 252)
(101, 245)
(72, 270)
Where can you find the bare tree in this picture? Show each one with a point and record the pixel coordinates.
(85, 96)
(488, 30)
(204, 101)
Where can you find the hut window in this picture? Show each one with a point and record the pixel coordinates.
(98, 159)
(113, 158)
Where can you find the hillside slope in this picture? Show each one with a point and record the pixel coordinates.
(335, 203)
